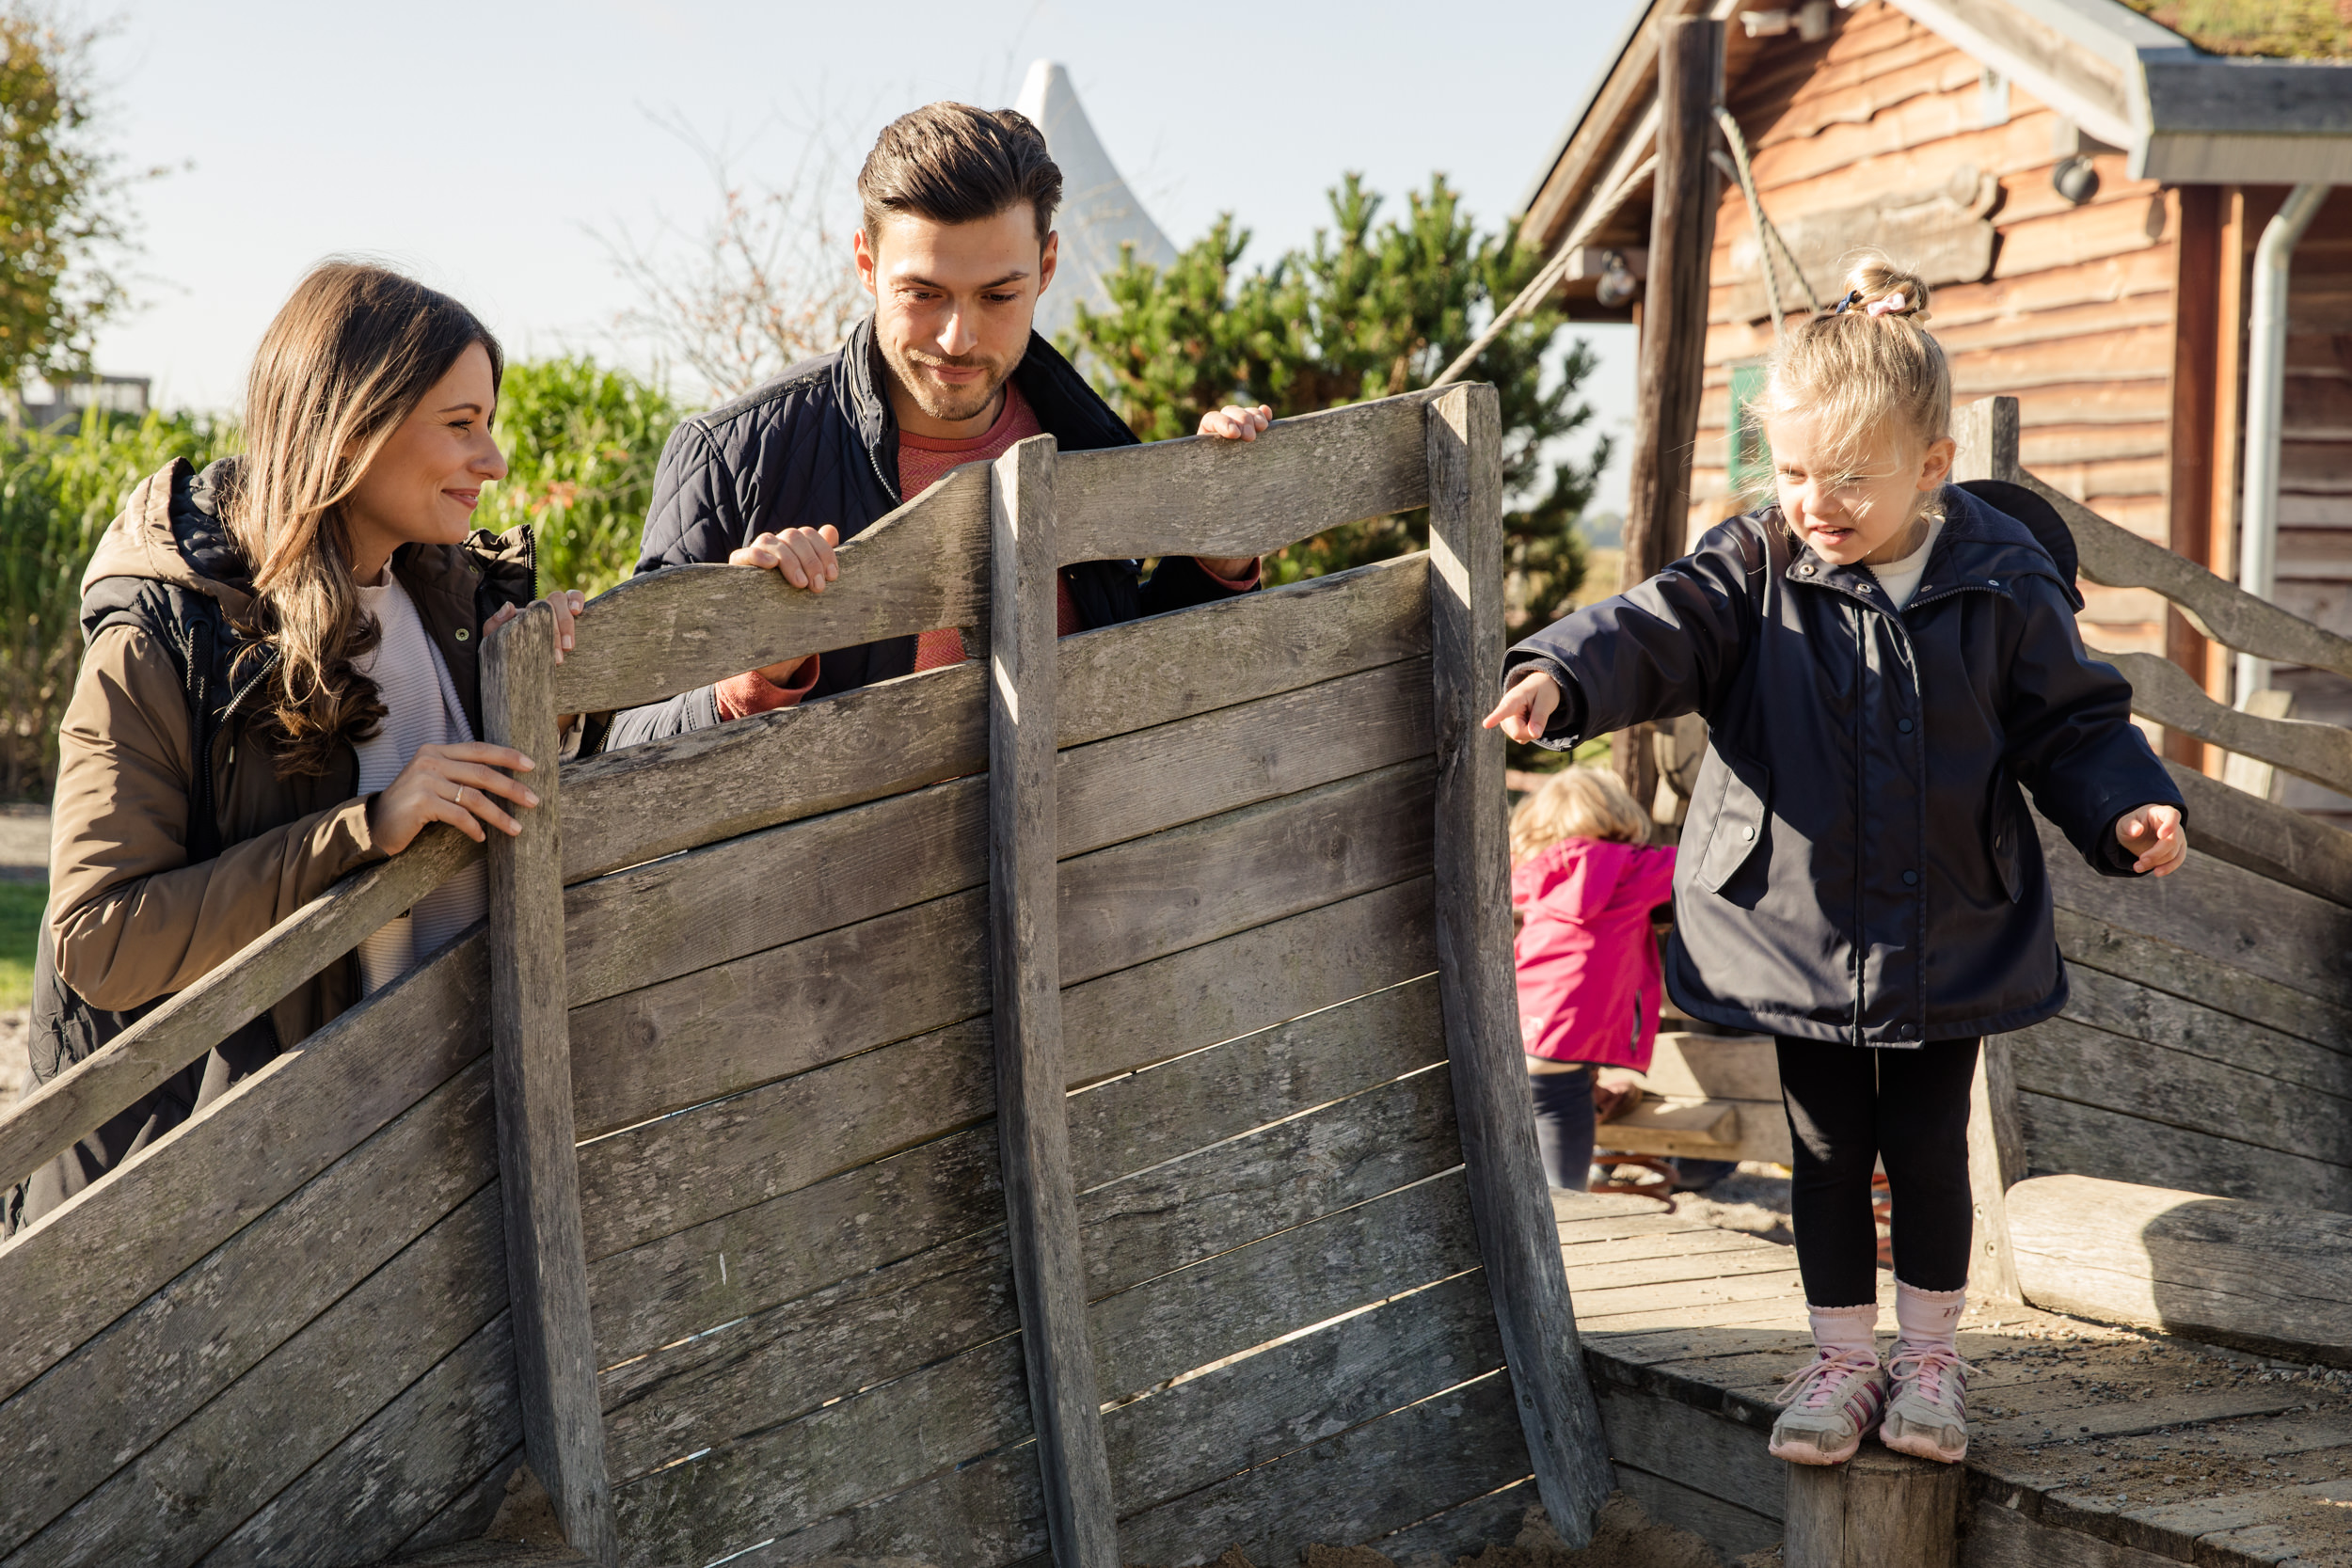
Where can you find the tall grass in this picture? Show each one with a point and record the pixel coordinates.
(581, 441)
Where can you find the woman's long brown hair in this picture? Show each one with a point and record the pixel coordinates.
(343, 366)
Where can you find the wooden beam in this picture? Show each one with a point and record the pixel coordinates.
(2163, 691)
(1996, 1161)
(1876, 1509)
(547, 1264)
(2196, 334)
(1674, 330)
(1516, 1235)
(2233, 246)
(1033, 1128)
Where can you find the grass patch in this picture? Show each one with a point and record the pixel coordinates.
(20, 905)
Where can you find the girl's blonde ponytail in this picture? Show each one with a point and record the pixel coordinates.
(1867, 363)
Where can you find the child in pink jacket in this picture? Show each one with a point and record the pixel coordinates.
(1583, 881)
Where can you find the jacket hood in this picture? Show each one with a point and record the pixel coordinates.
(171, 531)
(1577, 878)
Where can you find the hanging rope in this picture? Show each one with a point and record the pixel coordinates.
(1548, 277)
(1766, 237)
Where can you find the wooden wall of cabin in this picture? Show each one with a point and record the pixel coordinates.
(2071, 312)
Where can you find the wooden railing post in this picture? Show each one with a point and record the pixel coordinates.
(1986, 434)
(1025, 918)
(1997, 1162)
(546, 1261)
(1518, 1238)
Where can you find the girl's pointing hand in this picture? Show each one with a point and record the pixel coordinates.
(1526, 709)
(2156, 835)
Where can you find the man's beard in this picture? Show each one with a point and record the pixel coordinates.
(947, 404)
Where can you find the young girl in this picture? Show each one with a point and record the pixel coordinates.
(282, 685)
(1883, 661)
(1584, 879)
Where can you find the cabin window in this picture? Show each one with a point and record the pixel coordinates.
(1751, 458)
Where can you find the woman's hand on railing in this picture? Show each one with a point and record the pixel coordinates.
(2154, 834)
(453, 784)
(569, 604)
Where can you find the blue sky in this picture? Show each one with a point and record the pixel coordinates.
(484, 147)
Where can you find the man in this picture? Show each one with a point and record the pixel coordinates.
(956, 247)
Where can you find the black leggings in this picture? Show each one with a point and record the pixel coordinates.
(1850, 1106)
(1563, 1126)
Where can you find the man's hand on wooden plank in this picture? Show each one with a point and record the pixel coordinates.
(1233, 422)
(805, 557)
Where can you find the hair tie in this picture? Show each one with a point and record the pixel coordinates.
(1896, 303)
(1848, 303)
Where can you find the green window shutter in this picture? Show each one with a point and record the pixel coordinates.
(1751, 459)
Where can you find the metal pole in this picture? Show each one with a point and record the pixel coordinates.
(2265, 397)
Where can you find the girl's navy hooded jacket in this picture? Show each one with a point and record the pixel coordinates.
(1858, 864)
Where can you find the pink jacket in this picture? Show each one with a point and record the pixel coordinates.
(1589, 980)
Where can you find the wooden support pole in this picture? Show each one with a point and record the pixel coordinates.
(1985, 432)
(547, 1261)
(2189, 434)
(1875, 1511)
(1997, 1162)
(1032, 1120)
(1674, 330)
(1518, 1238)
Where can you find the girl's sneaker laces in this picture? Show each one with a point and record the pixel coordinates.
(1929, 1414)
(1833, 1404)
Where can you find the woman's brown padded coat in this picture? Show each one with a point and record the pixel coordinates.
(129, 919)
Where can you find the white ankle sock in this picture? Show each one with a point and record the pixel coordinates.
(1845, 1328)
(1924, 1318)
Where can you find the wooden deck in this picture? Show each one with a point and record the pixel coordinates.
(2092, 1447)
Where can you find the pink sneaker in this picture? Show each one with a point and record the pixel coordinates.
(1834, 1404)
(1929, 1413)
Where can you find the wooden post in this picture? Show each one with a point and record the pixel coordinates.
(1875, 1511)
(1674, 330)
(1997, 1162)
(1518, 1238)
(2234, 251)
(1986, 433)
(1032, 1121)
(2189, 433)
(547, 1261)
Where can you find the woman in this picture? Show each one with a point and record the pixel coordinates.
(281, 684)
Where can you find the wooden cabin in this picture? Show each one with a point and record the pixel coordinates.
(2084, 190)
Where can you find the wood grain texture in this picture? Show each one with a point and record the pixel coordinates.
(883, 739)
(2220, 912)
(1517, 1236)
(174, 1502)
(64, 1278)
(1025, 927)
(2066, 1137)
(1697, 1449)
(1204, 495)
(2138, 1012)
(923, 565)
(2276, 841)
(83, 1098)
(2163, 691)
(531, 1057)
(2167, 969)
(2261, 1275)
(1459, 1531)
(205, 1329)
(1875, 1508)
(1996, 1161)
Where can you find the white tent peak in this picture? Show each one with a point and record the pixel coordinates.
(1099, 214)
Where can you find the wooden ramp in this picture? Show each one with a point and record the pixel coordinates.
(2091, 1446)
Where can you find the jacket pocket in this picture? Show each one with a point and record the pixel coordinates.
(2003, 843)
(1743, 813)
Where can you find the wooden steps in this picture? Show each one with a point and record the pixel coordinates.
(1716, 1097)
(2091, 1445)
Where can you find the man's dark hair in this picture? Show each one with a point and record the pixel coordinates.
(951, 162)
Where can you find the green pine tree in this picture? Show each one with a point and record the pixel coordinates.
(1371, 309)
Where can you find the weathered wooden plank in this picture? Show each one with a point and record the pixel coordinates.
(1996, 1161)
(1150, 896)
(1366, 1482)
(988, 1514)
(1733, 1530)
(1714, 1067)
(81, 1099)
(2276, 841)
(487, 1554)
(1148, 780)
(1459, 1531)
(158, 1364)
(531, 1058)
(1025, 929)
(1206, 495)
(2071, 1061)
(1516, 1235)
(115, 1243)
(2091, 943)
(1133, 1123)
(2265, 1276)
(462, 1521)
(2062, 1136)
(1999, 1537)
(182, 1497)
(2162, 690)
(2141, 1012)
(1693, 1448)
(2220, 910)
(661, 1290)
(1876, 1508)
(887, 738)
(398, 1472)
(923, 565)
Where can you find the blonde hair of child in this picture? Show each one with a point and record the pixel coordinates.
(1576, 802)
(1865, 367)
